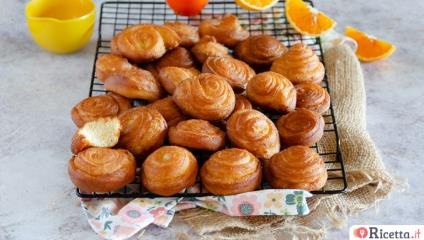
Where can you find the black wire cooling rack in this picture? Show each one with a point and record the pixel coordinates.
(115, 16)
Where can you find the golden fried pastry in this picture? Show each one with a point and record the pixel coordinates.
(168, 109)
(169, 36)
(123, 102)
(231, 171)
(143, 130)
(102, 132)
(242, 103)
(168, 170)
(208, 47)
(296, 167)
(134, 83)
(197, 134)
(299, 64)
(235, 71)
(272, 91)
(260, 50)
(177, 57)
(108, 64)
(102, 169)
(253, 131)
(139, 43)
(206, 96)
(301, 127)
(169, 77)
(313, 97)
(188, 34)
(93, 108)
(226, 30)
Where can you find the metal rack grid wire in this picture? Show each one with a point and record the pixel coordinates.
(117, 15)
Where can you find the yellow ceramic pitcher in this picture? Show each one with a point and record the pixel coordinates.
(61, 26)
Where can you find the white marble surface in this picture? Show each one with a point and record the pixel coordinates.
(37, 90)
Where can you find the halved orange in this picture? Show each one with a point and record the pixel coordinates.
(256, 5)
(369, 47)
(306, 19)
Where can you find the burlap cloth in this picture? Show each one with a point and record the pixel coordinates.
(368, 181)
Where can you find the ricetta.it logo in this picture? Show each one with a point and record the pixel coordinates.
(360, 232)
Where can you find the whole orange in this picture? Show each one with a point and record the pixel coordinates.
(187, 7)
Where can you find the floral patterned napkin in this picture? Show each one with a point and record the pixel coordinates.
(121, 219)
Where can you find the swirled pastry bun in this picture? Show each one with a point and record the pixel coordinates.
(226, 30)
(207, 96)
(208, 47)
(169, 110)
(102, 169)
(260, 50)
(143, 130)
(102, 132)
(109, 64)
(188, 34)
(272, 91)
(301, 127)
(197, 134)
(231, 171)
(178, 57)
(169, 36)
(139, 43)
(168, 170)
(299, 64)
(134, 83)
(236, 72)
(242, 103)
(296, 167)
(169, 77)
(253, 131)
(313, 97)
(96, 107)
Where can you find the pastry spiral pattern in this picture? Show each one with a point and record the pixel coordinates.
(188, 34)
(93, 108)
(197, 134)
(242, 103)
(143, 130)
(139, 43)
(313, 97)
(207, 97)
(208, 47)
(236, 72)
(102, 169)
(169, 110)
(296, 167)
(109, 64)
(301, 127)
(226, 30)
(272, 91)
(177, 57)
(260, 50)
(169, 77)
(134, 83)
(299, 64)
(253, 131)
(168, 170)
(231, 171)
(169, 36)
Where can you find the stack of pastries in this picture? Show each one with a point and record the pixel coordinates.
(201, 99)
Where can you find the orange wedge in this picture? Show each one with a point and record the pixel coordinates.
(256, 5)
(369, 47)
(306, 19)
